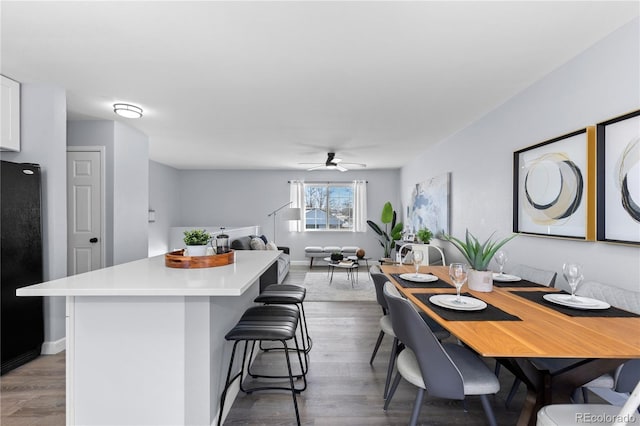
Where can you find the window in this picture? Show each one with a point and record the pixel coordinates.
(329, 206)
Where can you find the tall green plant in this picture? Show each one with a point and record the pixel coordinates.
(478, 255)
(392, 231)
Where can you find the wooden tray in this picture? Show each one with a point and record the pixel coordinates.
(175, 259)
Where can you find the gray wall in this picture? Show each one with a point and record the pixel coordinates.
(600, 83)
(131, 194)
(43, 128)
(164, 187)
(244, 197)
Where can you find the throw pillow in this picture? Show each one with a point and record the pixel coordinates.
(257, 244)
(272, 246)
(264, 238)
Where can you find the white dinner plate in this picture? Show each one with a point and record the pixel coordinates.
(419, 278)
(578, 302)
(449, 301)
(505, 277)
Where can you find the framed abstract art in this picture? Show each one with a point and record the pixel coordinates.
(429, 205)
(554, 187)
(619, 179)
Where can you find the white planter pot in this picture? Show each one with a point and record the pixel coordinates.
(197, 250)
(480, 280)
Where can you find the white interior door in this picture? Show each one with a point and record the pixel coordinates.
(84, 211)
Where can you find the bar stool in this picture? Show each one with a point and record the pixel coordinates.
(266, 314)
(268, 323)
(288, 294)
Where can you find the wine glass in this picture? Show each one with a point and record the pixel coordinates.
(501, 258)
(418, 256)
(573, 274)
(458, 273)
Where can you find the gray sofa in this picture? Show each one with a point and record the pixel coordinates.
(276, 272)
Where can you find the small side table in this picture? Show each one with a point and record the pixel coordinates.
(349, 267)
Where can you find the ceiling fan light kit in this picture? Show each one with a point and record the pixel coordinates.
(332, 163)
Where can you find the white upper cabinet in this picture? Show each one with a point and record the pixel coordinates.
(10, 112)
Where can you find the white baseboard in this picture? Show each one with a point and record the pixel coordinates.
(52, 348)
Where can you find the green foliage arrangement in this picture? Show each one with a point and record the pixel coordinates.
(478, 255)
(196, 237)
(392, 230)
(425, 235)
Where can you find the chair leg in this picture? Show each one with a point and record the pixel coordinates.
(309, 342)
(585, 395)
(304, 366)
(293, 389)
(395, 349)
(512, 392)
(228, 382)
(394, 386)
(491, 418)
(416, 407)
(375, 349)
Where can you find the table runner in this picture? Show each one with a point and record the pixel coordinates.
(490, 313)
(411, 284)
(536, 296)
(521, 283)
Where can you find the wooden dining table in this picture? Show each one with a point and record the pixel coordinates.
(592, 345)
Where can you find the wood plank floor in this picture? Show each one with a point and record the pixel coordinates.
(343, 388)
(34, 393)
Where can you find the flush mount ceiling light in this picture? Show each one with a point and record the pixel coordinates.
(127, 110)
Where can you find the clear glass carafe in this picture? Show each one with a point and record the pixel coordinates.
(222, 242)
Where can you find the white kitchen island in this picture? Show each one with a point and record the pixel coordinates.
(145, 343)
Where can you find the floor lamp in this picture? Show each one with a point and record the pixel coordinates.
(293, 213)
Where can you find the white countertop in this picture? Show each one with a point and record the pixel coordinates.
(150, 277)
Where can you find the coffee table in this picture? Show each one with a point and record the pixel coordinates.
(348, 267)
(357, 260)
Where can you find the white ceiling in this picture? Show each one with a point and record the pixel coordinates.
(265, 85)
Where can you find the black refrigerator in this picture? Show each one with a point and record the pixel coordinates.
(22, 319)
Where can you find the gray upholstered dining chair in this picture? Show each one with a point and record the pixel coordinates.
(580, 414)
(535, 275)
(446, 370)
(622, 380)
(538, 276)
(379, 279)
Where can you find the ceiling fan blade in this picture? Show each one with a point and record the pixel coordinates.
(318, 167)
(355, 164)
(342, 169)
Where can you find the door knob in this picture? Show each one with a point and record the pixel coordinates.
(93, 240)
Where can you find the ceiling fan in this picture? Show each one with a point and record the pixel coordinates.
(332, 163)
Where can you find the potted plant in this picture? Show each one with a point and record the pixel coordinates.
(425, 235)
(392, 230)
(478, 255)
(196, 241)
(336, 256)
